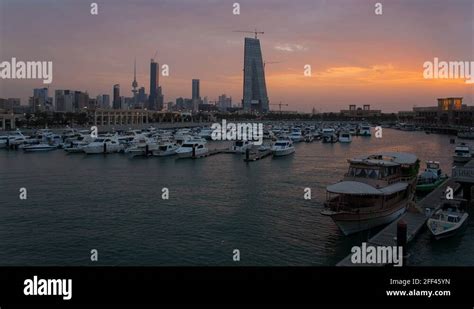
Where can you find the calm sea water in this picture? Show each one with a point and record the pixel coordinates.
(217, 204)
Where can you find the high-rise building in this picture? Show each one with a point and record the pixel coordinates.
(40, 101)
(81, 100)
(224, 102)
(154, 80)
(255, 90)
(195, 93)
(117, 103)
(142, 98)
(103, 101)
(64, 101)
(160, 99)
(135, 83)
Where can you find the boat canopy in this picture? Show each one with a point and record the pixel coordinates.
(360, 188)
(394, 157)
(353, 187)
(373, 162)
(396, 187)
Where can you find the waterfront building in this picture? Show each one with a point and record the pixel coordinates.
(360, 112)
(255, 97)
(449, 111)
(103, 117)
(117, 103)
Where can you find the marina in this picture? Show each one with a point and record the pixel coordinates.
(264, 212)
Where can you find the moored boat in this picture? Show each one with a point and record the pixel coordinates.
(462, 153)
(283, 147)
(431, 178)
(447, 220)
(345, 137)
(376, 190)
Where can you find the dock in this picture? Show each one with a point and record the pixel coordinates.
(415, 218)
(208, 154)
(257, 155)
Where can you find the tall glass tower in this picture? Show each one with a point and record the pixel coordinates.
(255, 90)
(153, 98)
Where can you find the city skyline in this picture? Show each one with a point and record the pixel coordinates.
(356, 57)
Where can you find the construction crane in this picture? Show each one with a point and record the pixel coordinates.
(279, 105)
(154, 56)
(254, 32)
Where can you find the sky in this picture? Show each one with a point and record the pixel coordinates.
(356, 56)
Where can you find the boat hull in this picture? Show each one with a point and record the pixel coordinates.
(283, 152)
(357, 224)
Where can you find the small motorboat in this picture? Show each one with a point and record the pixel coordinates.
(39, 148)
(166, 149)
(309, 138)
(447, 220)
(345, 137)
(431, 178)
(283, 148)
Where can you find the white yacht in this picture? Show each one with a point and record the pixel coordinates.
(309, 138)
(76, 146)
(296, 136)
(3, 141)
(195, 146)
(283, 148)
(16, 138)
(365, 130)
(141, 146)
(447, 220)
(462, 153)
(206, 133)
(329, 135)
(345, 137)
(166, 149)
(39, 147)
(103, 145)
(241, 146)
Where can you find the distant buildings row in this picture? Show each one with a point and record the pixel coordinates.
(73, 101)
(448, 111)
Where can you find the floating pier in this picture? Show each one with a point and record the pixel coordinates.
(251, 156)
(207, 154)
(413, 220)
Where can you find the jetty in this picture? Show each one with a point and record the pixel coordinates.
(251, 156)
(207, 154)
(413, 220)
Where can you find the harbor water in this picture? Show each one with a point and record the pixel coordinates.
(76, 203)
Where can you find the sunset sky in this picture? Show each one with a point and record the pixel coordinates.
(357, 57)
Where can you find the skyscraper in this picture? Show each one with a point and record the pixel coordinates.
(117, 101)
(64, 100)
(154, 79)
(135, 83)
(255, 90)
(196, 95)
